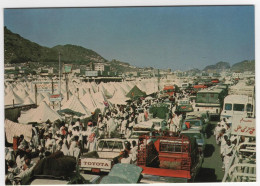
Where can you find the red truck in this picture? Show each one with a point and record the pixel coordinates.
(168, 159)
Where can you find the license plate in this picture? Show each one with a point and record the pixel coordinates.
(95, 170)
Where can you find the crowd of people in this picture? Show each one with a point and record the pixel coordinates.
(74, 138)
(227, 141)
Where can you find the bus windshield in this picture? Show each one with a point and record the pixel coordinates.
(239, 107)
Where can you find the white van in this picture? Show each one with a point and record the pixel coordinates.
(237, 106)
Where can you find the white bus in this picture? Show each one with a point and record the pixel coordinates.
(237, 106)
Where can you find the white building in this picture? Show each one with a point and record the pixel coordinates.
(101, 67)
(238, 75)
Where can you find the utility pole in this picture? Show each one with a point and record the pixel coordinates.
(52, 90)
(67, 88)
(158, 80)
(59, 82)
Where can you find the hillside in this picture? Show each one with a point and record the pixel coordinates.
(121, 66)
(218, 66)
(18, 50)
(244, 66)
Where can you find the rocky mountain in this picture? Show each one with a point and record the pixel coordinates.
(18, 50)
(218, 66)
(243, 66)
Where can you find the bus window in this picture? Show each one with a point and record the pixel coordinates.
(228, 106)
(239, 107)
(249, 107)
(213, 98)
(201, 98)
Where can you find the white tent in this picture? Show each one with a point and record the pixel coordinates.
(75, 104)
(107, 90)
(100, 100)
(40, 115)
(88, 101)
(12, 97)
(28, 101)
(22, 93)
(40, 97)
(118, 98)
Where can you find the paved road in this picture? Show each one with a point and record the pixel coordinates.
(211, 170)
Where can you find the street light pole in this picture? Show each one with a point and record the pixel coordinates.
(59, 82)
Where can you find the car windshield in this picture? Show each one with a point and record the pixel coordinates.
(113, 145)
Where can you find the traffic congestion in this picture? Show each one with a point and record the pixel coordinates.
(163, 136)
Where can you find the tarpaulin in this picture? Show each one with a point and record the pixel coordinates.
(16, 129)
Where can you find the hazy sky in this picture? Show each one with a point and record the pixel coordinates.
(161, 37)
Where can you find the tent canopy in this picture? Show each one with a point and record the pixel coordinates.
(135, 92)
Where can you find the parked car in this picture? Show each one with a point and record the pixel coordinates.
(197, 121)
(198, 136)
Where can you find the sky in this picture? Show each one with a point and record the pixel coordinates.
(180, 38)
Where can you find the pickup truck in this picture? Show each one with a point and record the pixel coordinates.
(168, 159)
(105, 156)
